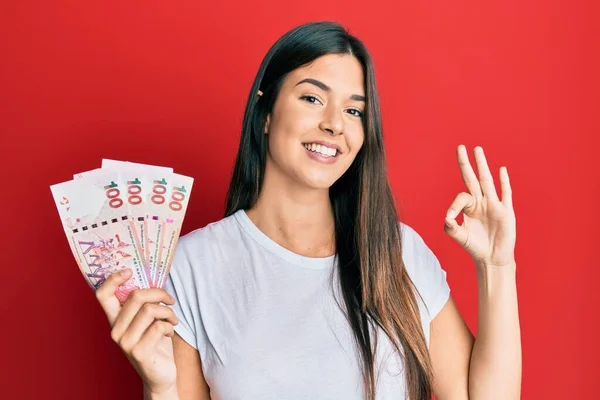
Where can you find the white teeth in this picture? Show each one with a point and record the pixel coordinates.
(321, 149)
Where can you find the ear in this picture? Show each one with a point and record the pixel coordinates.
(267, 123)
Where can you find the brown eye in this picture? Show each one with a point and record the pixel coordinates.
(359, 113)
(310, 99)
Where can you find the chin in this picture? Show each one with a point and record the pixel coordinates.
(322, 182)
(321, 186)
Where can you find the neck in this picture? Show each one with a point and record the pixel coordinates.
(295, 216)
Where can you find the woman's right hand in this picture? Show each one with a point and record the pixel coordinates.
(143, 329)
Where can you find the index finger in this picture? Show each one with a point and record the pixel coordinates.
(485, 175)
(106, 294)
(467, 172)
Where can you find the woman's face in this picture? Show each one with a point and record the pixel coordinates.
(323, 101)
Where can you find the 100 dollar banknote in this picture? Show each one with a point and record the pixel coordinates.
(147, 195)
(163, 202)
(124, 215)
(179, 195)
(101, 234)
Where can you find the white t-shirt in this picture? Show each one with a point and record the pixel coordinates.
(265, 322)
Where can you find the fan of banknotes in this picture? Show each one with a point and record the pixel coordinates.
(123, 215)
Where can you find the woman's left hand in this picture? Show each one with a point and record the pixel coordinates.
(488, 231)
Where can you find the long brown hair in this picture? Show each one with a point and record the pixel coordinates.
(374, 283)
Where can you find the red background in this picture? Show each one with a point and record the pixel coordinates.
(165, 83)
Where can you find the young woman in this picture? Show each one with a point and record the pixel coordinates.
(310, 287)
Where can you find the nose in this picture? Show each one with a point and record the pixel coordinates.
(332, 121)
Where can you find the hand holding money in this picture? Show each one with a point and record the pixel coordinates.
(143, 329)
(122, 222)
(123, 215)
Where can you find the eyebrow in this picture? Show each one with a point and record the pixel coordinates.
(326, 88)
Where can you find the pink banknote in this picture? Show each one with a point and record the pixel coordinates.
(95, 217)
(146, 193)
(179, 195)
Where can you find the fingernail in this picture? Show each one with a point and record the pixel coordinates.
(125, 272)
(451, 214)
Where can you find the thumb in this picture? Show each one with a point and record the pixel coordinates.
(106, 294)
(455, 231)
(451, 227)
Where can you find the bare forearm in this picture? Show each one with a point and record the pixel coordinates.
(171, 394)
(495, 369)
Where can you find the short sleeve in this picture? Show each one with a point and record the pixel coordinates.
(180, 284)
(425, 271)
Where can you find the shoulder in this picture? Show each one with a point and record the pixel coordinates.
(218, 232)
(211, 230)
(211, 244)
(410, 236)
(425, 270)
(414, 249)
(195, 267)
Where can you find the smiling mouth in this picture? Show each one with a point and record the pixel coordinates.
(329, 152)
